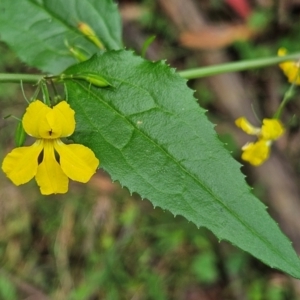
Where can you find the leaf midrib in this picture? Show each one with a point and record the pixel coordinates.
(54, 16)
(67, 25)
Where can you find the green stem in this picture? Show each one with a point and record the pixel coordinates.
(287, 97)
(27, 78)
(236, 66)
(46, 97)
(188, 74)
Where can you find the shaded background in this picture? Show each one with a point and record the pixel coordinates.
(99, 242)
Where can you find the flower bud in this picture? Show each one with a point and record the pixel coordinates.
(79, 55)
(92, 78)
(90, 34)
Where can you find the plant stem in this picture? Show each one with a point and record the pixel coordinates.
(188, 74)
(236, 66)
(16, 78)
(287, 97)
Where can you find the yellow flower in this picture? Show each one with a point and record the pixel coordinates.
(256, 153)
(290, 68)
(49, 160)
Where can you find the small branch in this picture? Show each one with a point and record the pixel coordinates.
(236, 66)
(16, 78)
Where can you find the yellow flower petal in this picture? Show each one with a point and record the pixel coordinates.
(44, 122)
(291, 69)
(77, 161)
(35, 112)
(50, 177)
(243, 123)
(58, 122)
(256, 153)
(272, 129)
(65, 114)
(50, 126)
(284, 65)
(21, 164)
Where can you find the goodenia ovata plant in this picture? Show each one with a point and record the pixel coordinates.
(145, 127)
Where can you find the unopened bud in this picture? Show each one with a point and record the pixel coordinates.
(90, 34)
(79, 55)
(92, 78)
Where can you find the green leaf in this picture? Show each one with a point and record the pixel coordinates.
(7, 289)
(150, 134)
(38, 31)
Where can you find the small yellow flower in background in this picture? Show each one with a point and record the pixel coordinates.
(291, 69)
(258, 152)
(48, 125)
(246, 126)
